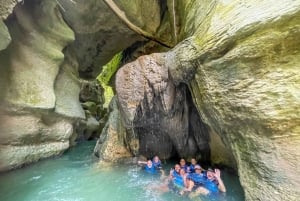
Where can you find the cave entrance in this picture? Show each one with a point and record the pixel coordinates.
(177, 133)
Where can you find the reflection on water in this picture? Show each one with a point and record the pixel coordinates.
(75, 177)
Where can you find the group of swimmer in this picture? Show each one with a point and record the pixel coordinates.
(187, 178)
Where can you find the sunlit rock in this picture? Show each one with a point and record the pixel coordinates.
(110, 146)
(27, 138)
(29, 66)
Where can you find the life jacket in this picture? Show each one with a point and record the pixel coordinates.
(192, 168)
(150, 169)
(197, 178)
(185, 167)
(157, 165)
(178, 179)
(212, 186)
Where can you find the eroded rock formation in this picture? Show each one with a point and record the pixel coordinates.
(157, 112)
(239, 59)
(240, 65)
(29, 128)
(110, 146)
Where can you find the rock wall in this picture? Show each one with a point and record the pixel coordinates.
(240, 61)
(241, 64)
(29, 67)
(156, 112)
(110, 146)
(246, 88)
(45, 47)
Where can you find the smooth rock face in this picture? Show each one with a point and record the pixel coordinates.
(240, 60)
(27, 138)
(4, 36)
(156, 111)
(246, 87)
(67, 89)
(29, 68)
(99, 33)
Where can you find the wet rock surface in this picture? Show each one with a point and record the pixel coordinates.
(158, 112)
(239, 60)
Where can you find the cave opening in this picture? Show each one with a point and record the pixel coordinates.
(178, 133)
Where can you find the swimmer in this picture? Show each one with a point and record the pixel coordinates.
(148, 166)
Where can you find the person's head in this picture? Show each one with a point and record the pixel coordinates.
(182, 172)
(193, 161)
(177, 167)
(198, 169)
(149, 163)
(156, 159)
(182, 162)
(210, 174)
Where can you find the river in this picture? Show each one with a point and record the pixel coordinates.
(76, 176)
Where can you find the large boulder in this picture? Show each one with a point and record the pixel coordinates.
(110, 146)
(26, 138)
(155, 110)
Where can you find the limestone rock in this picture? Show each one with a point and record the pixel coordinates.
(241, 62)
(6, 7)
(27, 138)
(67, 89)
(100, 34)
(91, 91)
(246, 87)
(16, 156)
(155, 110)
(29, 127)
(110, 146)
(29, 68)
(4, 36)
(220, 153)
(92, 99)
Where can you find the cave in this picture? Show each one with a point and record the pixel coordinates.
(216, 80)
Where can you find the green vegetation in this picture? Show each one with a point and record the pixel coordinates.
(104, 77)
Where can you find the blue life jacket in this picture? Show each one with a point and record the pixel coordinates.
(197, 178)
(192, 168)
(156, 165)
(212, 186)
(178, 179)
(150, 170)
(185, 167)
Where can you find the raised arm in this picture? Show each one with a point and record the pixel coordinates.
(142, 162)
(221, 185)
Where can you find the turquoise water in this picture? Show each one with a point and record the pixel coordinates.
(75, 176)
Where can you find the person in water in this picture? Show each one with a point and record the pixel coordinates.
(196, 179)
(214, 183)
(183, 164)
(155, 161)
(191, 168)
(176, 181)
(168, 182)
(148, 166)
(211, 184)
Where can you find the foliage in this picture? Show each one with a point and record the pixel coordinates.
(105, 76)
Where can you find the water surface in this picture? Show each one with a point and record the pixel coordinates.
(75, 177)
